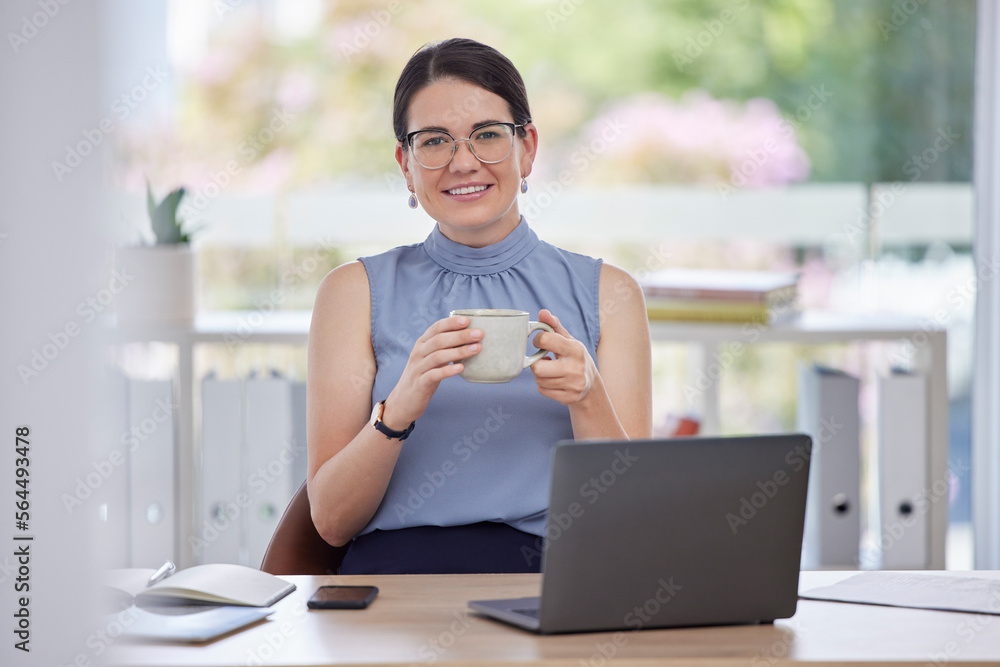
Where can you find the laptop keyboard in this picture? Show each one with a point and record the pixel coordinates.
(533, 612)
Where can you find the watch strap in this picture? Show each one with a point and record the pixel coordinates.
(388, 432)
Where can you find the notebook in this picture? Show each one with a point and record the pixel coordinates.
(194, 625)
(218, 583)
(668, 533)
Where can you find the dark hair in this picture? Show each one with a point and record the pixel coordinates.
(466, 60)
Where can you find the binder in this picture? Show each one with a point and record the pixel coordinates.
(268, 457)
(111, 499)
(904, 530)
(152, 476)
(301, 463)
(219, 532)
(828, 411)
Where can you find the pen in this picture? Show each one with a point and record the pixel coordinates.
(165, 571)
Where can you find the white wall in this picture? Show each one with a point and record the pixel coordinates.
(986, 390)
(51, 251)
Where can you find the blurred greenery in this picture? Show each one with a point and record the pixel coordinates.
(260, 278)
(894, 73)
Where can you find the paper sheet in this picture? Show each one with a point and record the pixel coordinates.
(922, 590)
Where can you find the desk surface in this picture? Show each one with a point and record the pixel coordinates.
(423, 619)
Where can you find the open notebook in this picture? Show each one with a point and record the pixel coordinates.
(218, 583)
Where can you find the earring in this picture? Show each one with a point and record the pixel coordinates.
(413, 200)
(524, 186)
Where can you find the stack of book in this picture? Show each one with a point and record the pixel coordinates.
(705, 295)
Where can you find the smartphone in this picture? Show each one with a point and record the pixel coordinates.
(342, 597)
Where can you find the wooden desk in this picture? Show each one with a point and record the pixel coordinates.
(424, 620)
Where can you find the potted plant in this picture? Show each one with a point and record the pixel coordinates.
(162, 285)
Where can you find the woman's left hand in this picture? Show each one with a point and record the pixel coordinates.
(568, 377)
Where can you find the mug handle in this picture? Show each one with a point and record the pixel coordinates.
(532, 328)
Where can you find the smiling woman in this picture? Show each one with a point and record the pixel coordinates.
(457, 89)
(468, 489)
(474, 199)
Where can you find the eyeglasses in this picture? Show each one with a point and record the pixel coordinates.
(434, 149)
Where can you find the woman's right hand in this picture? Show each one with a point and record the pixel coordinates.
(350, 463)
(436, 355)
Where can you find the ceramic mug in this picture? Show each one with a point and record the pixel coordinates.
(505, 333)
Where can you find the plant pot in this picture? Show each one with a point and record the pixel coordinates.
(159, 284)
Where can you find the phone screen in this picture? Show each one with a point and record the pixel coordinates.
(342, 597)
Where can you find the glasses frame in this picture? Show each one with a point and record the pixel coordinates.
(408, 141)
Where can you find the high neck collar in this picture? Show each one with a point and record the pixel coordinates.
(481, 261)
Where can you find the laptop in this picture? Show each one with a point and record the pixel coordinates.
(668, 533)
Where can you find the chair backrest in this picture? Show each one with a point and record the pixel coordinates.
(297, 547)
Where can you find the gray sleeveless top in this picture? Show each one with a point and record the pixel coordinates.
(480, 452)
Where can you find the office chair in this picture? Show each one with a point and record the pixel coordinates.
(296, 546)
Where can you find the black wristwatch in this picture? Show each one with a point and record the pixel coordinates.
(385, 430)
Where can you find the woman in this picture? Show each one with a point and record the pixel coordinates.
(419, 470)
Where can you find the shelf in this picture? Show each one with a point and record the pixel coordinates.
(290, 327)
(809, 327)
